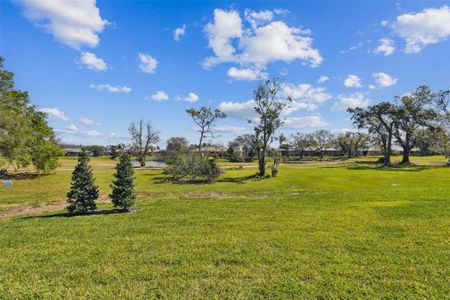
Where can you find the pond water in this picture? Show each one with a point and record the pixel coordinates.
(150, 163)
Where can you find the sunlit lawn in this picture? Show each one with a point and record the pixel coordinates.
(345, 229)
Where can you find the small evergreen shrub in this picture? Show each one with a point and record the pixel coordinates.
(123, 192)
(83, 192)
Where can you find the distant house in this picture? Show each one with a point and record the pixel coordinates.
(312, 151)
(217, 151)
(71, 151)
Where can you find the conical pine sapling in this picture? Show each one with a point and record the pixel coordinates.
(123, 193)
(83, 192)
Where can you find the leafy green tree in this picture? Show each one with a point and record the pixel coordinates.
(25, 137)
(205, 119)
(114, 152)
(429, 140)
(234, 152)
(176, 145)
(83, 191)
(96, 150)
(123, 191)
(442, 101)
(242, 148)
(413, 113)
(361, 141)
(379, 121)
(193, 165)
(345, 142)
(268, 107)
(352, 142)
(301, 142)
(322, 140)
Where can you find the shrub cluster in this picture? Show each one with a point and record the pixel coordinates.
(193, 166)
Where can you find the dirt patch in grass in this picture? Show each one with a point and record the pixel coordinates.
(207, 195)
(29, 209)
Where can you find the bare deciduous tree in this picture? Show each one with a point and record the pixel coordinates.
(143, 137)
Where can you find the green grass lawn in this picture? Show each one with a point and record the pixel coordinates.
(345, 229)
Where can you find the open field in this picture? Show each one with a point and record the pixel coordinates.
(339, 229)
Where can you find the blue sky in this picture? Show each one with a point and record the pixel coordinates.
(96, 66)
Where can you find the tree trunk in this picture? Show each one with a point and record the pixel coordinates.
(301, 154)
(406, 152)
(349, 153)
(388, 150)
(262, 163)
(200, 142)
(141, 158)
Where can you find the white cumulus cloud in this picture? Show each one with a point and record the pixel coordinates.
(111, 88)
(277, 41)
(92, 62)
(91, 133)
(258, 18)
(430, 26)
(386, 47)
(87, 121)
(296, 105)
(323, 79)
(73, 23)
(254, 46)
(147, 63)
(383, 79)
(72, 127)
(304, 92)
(305, 122)
(192, 97)
(54, 113)
(239, 110)
(246, 74)
(352, 81)
(227, 25)
(350, 101)
(304, 97)
(236, 130)
(179, 32)
(159, 96)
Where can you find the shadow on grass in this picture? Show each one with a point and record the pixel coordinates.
(89, 213)
(241, 179)
(162, 179)
(398, 167)
(21, 176)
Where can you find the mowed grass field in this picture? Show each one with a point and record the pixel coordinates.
(340, 229)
